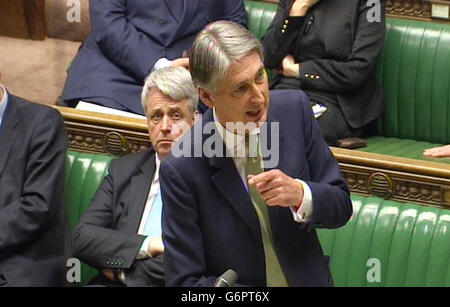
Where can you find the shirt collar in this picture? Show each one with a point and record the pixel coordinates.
(3, 104)
(158, 163)
(238, 146)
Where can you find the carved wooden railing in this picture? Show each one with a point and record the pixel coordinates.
(413, 9)
(104, 134)
(395, 178)
(388, 177)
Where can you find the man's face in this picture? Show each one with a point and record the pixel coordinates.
(167, 121)
(243, 95)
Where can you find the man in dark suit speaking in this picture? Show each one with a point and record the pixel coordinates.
(227, 210)
(32, 213)
(120, 233)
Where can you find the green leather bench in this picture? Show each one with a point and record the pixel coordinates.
(411, 242)
(414, 68)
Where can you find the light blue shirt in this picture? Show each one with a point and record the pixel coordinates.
(3, 104)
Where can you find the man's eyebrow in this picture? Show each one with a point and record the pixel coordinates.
(175, 108)
(238, 84)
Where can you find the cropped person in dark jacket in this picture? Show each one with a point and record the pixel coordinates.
(130, 39)
(329, 48)
(33, 218)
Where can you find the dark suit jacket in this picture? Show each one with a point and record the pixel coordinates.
(129, 36)
(32, 213)
(337, 55)
(106, 236)
(209, 224)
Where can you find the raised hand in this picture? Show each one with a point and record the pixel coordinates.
(300, 7)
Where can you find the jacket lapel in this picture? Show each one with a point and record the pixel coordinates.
(228, 182)
(140, 187)
(8, 133)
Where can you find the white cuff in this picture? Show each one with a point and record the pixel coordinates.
(161, 63)
(122, 276)
(304, 214)
(143, 252)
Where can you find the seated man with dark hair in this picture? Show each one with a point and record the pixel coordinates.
(120, 233)
(32, 213)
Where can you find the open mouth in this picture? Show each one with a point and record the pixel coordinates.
(255, 115)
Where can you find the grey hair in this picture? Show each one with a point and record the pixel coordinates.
(215, 48)
(175, 82)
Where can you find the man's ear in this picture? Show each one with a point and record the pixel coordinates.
(205, 97)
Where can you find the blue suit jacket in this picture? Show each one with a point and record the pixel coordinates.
(128, 37)
(209, 224)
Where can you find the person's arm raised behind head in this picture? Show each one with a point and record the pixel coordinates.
(120, 41)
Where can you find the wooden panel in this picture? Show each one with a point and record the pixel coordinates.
(12, 19)
(35, 18)
(410, 9)
(22, 18)
(401, 179)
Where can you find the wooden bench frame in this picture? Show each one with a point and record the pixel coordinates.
(401, 179)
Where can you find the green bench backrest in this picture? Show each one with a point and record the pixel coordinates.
(260, 16)
(84, 174)
(414, 68)
(411, 242)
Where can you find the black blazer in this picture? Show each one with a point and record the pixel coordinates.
(106, 236)
(337, 51)
(32, 214)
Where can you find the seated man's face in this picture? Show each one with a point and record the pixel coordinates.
(167, 121)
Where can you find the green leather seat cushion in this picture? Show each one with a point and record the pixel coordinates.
(403, 148)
